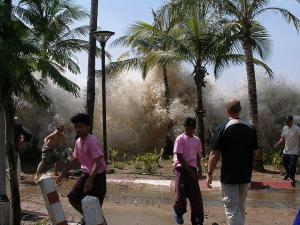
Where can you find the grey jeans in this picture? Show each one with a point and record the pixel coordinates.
(234, 197)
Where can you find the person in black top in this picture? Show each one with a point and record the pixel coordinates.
(21, 136)
(236, 141)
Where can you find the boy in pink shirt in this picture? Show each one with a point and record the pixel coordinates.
(91, 158)
(186, 161)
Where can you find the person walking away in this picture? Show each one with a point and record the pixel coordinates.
(236, 141)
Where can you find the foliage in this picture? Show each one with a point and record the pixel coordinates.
(276, 161)
(41, 222)
(148, 163)
(204, 165)
(117, 161)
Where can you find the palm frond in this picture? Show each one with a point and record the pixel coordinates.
(225, 61)
(287, 15)
(115, 68)
(54, 72)
(261, 40)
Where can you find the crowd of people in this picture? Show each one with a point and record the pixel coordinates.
(235, 141)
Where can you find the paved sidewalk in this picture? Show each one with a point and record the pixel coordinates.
(279, 185)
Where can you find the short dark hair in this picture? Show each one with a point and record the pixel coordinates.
(81, 118)
(60, 127)
(233, 106)
(190, 122)
(289, 118)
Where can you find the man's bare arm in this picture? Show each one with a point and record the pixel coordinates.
(48, 137)
(213, 160)
(66, 170)
(280, 142)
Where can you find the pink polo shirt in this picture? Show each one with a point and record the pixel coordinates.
(189, 147)
(86, 151)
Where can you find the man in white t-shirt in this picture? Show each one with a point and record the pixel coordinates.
(291, 137)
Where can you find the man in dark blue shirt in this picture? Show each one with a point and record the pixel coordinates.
(236, 141)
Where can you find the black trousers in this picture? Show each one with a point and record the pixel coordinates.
(290, 163)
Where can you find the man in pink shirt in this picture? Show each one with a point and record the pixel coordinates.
(187, 154)
(90, 155)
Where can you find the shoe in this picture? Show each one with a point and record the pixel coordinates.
(81, 222)
(196, 221)
(286, 176)
(178, 219)
(293, 182)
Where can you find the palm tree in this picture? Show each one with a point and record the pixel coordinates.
(242, 20)
(50, 23)
(90, 95)
(202, 41)
(36, 38)
(12, 50)
(143, 38)
(254, 38)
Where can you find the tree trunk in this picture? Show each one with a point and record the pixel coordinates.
(2, 154)
(90, 95)
(9, 143)
(12, 161)
(252, 95)
(168, 148)
(200, 74)
(167, 91)
(4, 201)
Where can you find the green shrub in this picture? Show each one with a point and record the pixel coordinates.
(276, 161)
(41, 222)
(114, 156)
(148, 162)
(204, 165)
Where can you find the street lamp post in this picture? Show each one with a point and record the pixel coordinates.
(102, 37)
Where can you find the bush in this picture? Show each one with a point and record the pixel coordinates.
(148, 163)
(204, 165)
(276, 161)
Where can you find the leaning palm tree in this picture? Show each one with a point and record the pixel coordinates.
(50, 23)
(202, 42)
(16, 52)
(143, 38)
(34, 37)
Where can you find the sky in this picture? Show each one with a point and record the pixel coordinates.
(118, 15)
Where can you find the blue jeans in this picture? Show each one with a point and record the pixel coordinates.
(290, 163)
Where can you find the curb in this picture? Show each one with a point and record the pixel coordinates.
(278, 185)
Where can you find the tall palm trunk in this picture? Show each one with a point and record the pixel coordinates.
(252, 95)
(12, 162)
(90, 95)
(2, 155)
(200, 74)
(168, 149)
(10, 147)
(167, 90)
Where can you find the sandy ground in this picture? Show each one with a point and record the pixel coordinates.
(148, 205)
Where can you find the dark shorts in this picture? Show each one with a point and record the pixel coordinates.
(50, 155)
(98, 190)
